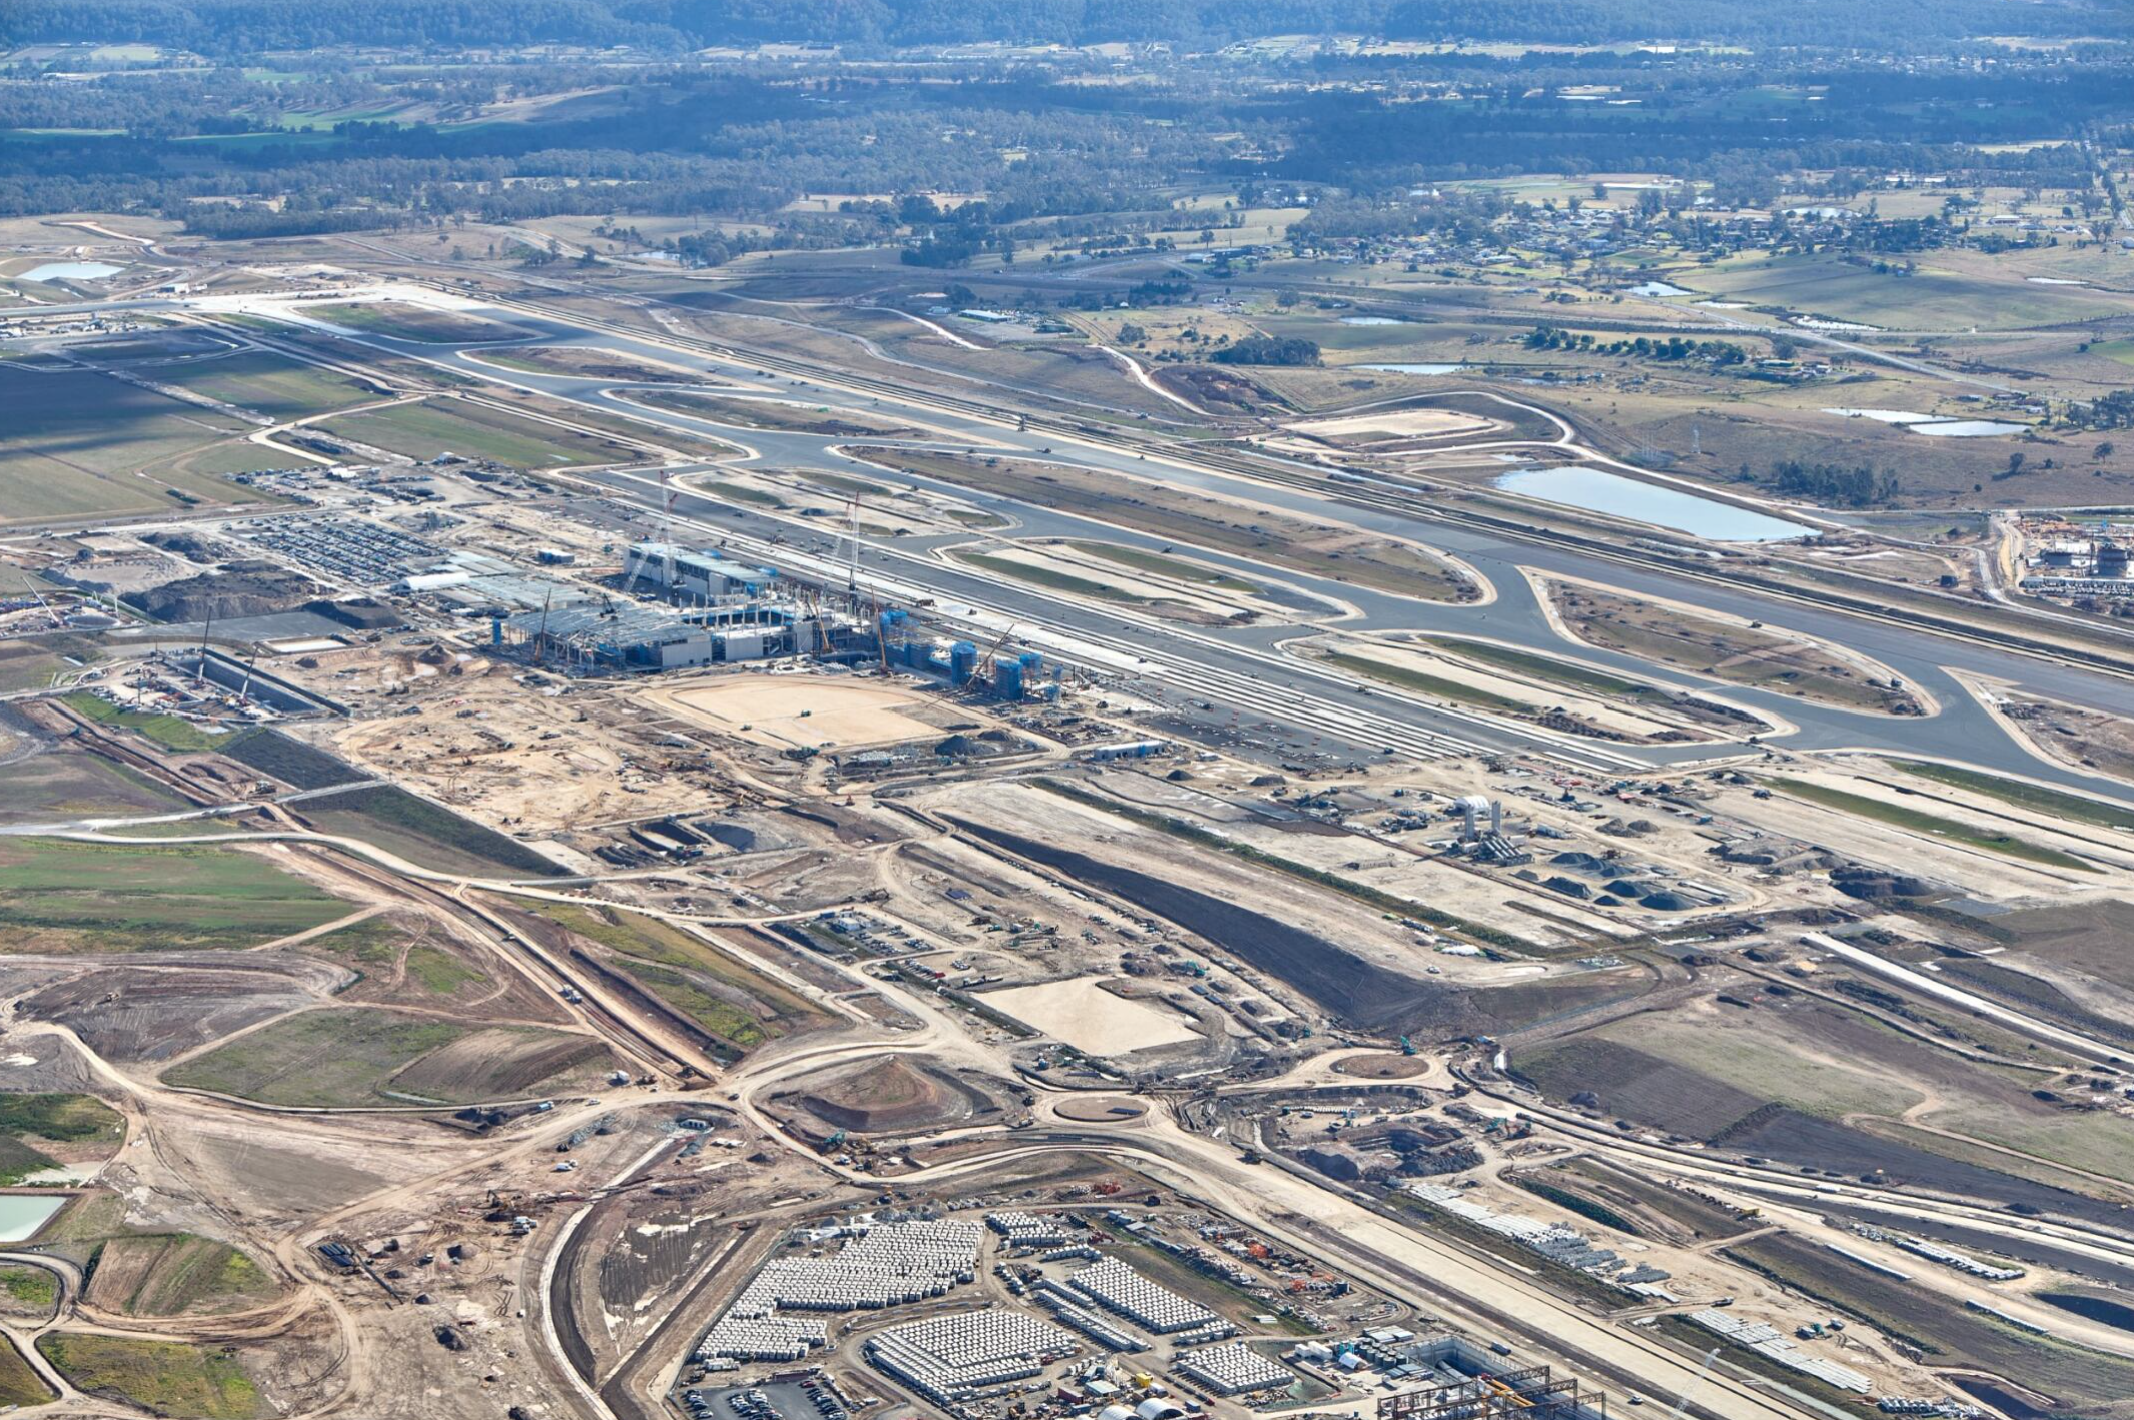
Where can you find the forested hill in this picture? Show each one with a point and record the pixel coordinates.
(243, 26)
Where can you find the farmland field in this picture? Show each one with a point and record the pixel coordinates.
(266, 384)
(342, 1057)
(1830, 286)
(58, 896)
(427, 429)
(175, 1274)
(77, 444)
(164, 1377)
(65, 783)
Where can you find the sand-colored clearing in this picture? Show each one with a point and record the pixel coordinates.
(789, 711)
(1399, 423)
(1084, 1015)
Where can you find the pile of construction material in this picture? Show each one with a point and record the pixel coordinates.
(884, 1265)
(1119, 1288)
(948, 1359)
(1232, 1368)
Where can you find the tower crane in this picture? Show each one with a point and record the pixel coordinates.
(985, 657)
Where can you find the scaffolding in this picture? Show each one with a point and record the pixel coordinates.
(1529, 1393)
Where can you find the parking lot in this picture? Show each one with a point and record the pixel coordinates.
(773, 1400)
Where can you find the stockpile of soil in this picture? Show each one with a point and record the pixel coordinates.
(241, 589)
(888, 1096)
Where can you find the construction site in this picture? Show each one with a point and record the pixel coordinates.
(1087, 924)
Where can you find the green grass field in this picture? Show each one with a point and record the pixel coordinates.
(29, 1291)
(1933, 825)
(163, 1377)
(1545, 668)
(840, 483)
(1409, 679)
(29, 1124)
(267, 384)
(720, 993)
(375, 945)
(741, 493)
(2072, 807)
(1162, 565)
(64, 784)
(352, 1056)
(60, 896)
(319, 1059)
(175, 1274)
(169, 731)
(20, 1385)
(440, 426)
(77, 444)
(33, 662)
(1049, 577)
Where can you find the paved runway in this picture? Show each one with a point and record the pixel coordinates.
(1239, 667)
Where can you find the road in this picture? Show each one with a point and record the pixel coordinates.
(1408, 1263)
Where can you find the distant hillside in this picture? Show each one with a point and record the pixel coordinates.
(240, 26)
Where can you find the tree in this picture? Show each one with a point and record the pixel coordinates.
(1131, 334)
(1268, 350)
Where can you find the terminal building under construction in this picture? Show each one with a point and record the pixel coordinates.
(714, 610)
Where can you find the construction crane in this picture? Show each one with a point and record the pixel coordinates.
(663, 537)
(985, 659)
(1682, 1403)
(541, 636)
(852, 556)
(43, 605)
